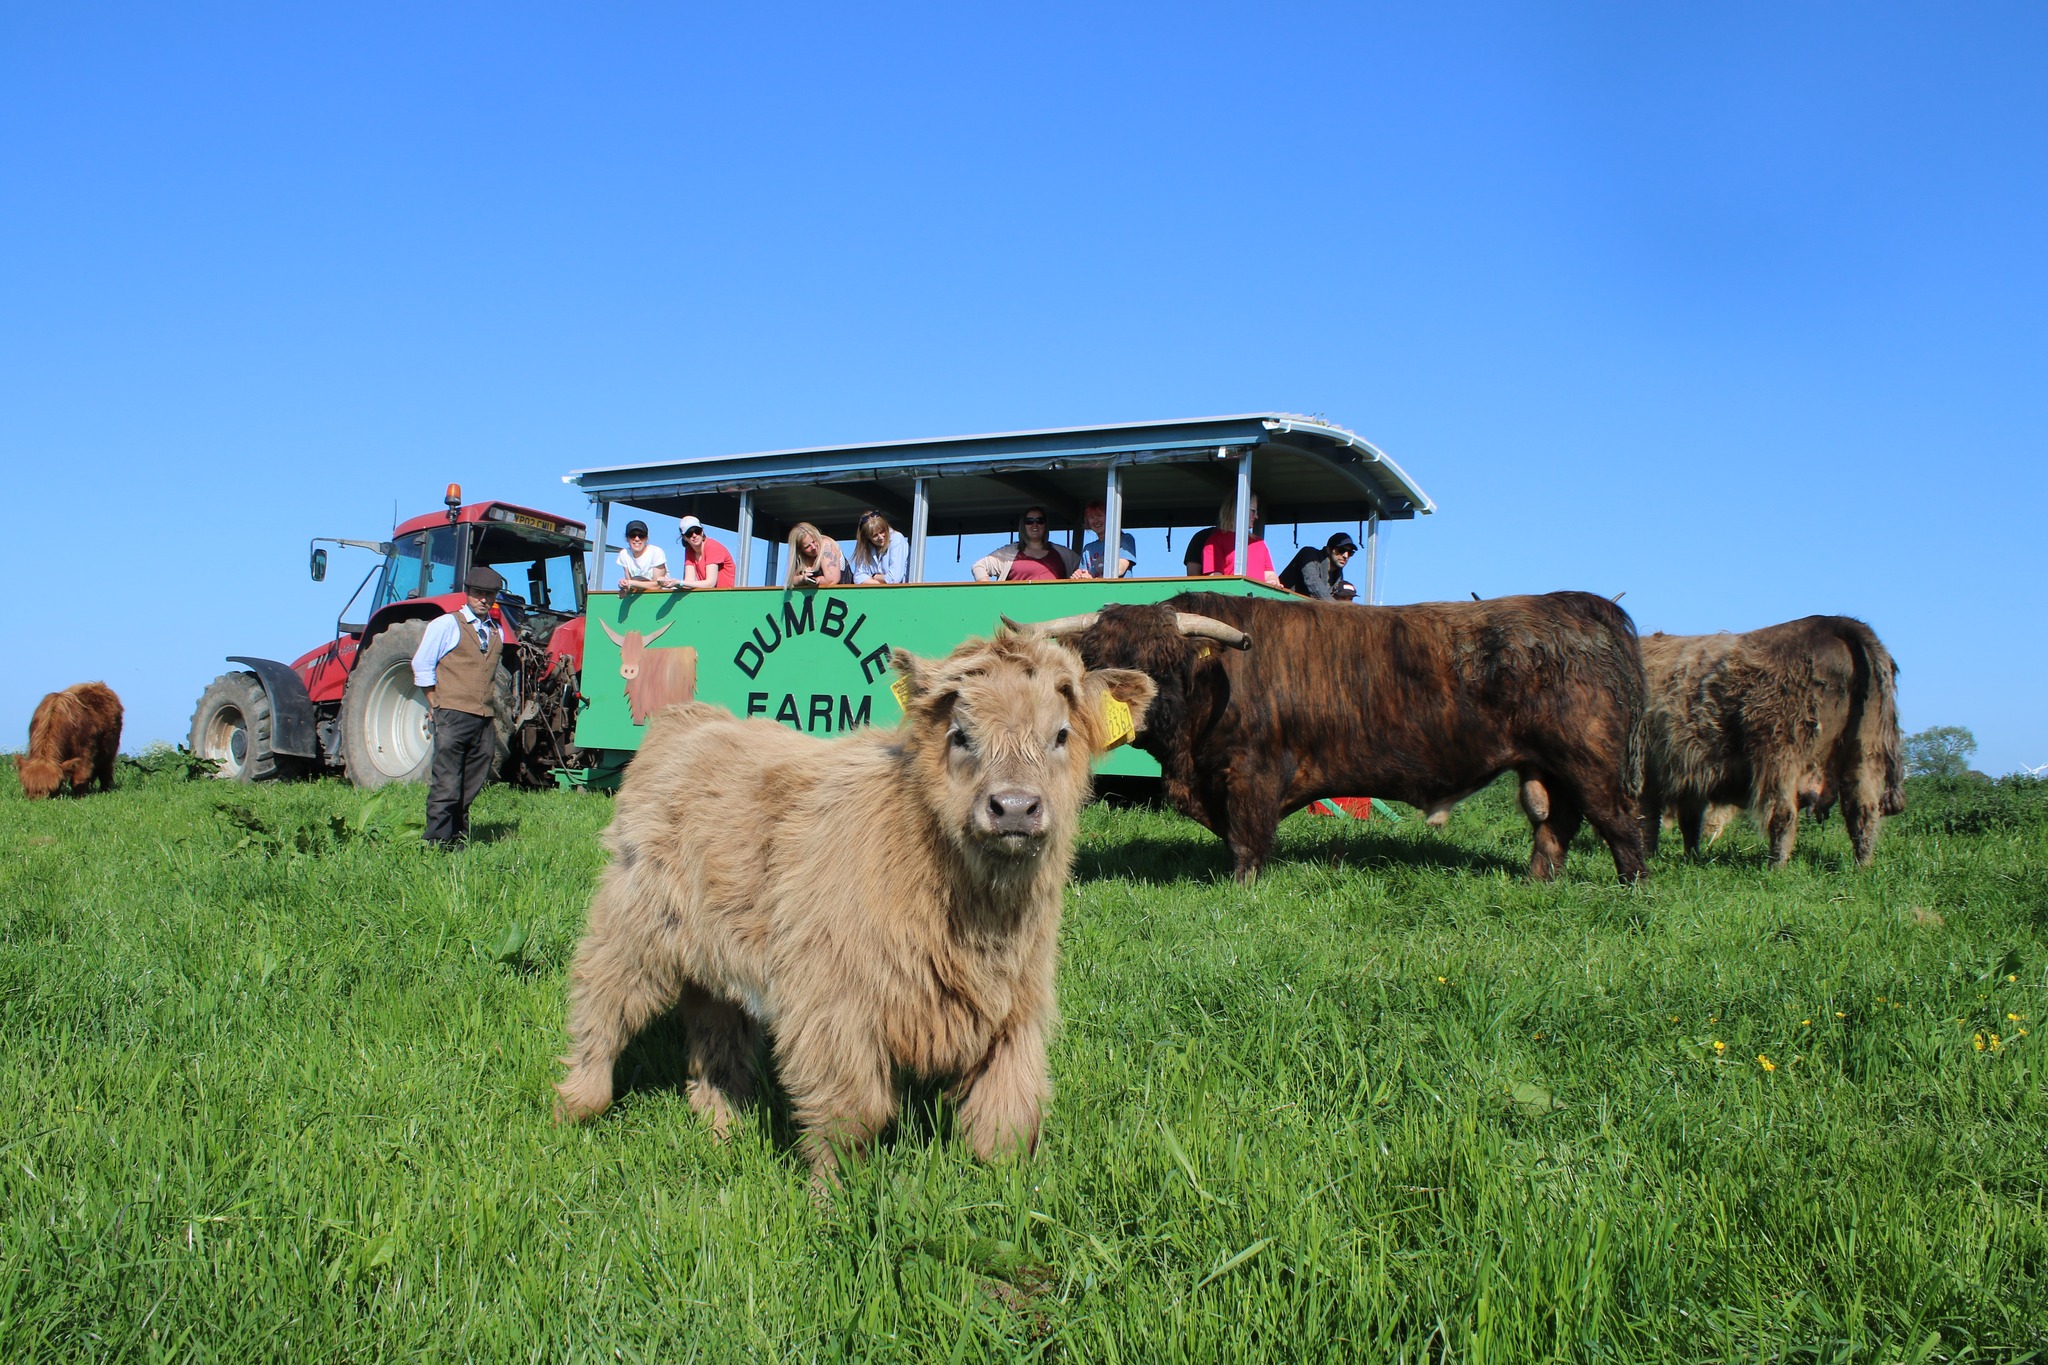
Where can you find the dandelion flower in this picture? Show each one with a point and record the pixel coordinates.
(1996, 1042)
(1765, 1062)
(1806, 1023)
(1840, 1015)
(2014, 1018)
(1719, 1047)
(1440, 981)
(1880, 1000)
(1979, 1041)
(1674, 1018)
(2012, 976)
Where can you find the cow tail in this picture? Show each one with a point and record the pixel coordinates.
(1877, 730)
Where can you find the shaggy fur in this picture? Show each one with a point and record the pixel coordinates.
(74, 736)
(884, 906)
(1424, 704)
(1799, 714)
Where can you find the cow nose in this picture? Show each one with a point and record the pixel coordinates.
(1016, 812)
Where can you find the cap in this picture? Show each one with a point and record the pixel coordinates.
(484, 580)
(687, 525)
(1341, 541)
(636, 528)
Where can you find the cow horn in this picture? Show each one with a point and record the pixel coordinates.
(1053, 630)
(617, 639)
(1209, 628)
(650, 639)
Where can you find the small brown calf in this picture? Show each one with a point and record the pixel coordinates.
(74, 736)
(884, 905)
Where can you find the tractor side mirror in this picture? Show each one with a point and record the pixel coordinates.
(319, 566)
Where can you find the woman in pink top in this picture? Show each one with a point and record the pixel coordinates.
(1219, 554)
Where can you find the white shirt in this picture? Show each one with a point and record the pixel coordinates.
(443, 634)
(651, 562)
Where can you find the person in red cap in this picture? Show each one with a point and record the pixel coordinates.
(457, 666)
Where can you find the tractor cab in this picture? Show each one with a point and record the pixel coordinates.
(540, 556)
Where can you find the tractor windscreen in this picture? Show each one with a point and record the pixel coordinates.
(543, 572)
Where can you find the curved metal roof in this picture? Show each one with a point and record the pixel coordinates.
(1174, 473)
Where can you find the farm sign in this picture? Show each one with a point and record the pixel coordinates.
(814, 659)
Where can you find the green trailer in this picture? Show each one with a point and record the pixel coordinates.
(817, 658)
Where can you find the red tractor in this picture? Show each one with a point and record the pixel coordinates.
(351, 703)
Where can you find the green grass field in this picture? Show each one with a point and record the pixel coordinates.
(277, 1087)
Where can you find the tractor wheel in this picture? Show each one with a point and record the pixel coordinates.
(387, 730)
(231, 726)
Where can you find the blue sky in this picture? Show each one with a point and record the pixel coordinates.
(1736, 308)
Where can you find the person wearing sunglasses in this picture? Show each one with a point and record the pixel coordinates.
(1033, 555)
(706, 563)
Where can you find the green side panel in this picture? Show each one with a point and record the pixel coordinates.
(817, 659)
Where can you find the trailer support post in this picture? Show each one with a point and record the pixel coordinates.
(1242, 529)
(920, 526)
(604, 511)
(1112, 521)
(746, 530)
(1372, 559)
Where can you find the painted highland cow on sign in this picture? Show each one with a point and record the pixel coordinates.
(654, 678)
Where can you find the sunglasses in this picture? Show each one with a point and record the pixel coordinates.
(1034, 521)
(693, 531)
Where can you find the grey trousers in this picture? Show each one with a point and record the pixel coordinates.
(463, 746)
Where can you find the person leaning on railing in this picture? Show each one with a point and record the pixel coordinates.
(1033, 555)
(706, 563)
(1319, 573)
(1093, 516)
(642, 567)
(880, 554)
(814, 561)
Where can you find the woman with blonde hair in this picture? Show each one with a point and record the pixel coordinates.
(880, 554)
(813, 559)
(1219, 552)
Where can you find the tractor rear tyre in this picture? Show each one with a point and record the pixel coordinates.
(387, 730)
(232, 726)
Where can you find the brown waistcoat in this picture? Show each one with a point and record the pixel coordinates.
(467, 674)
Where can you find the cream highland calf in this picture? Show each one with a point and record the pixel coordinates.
(883, 905)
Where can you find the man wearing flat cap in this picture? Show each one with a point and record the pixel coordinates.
(457, 666)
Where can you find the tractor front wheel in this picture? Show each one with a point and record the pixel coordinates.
(231, 726)
(387, 729)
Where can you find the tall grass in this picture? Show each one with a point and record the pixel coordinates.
(277, 1087)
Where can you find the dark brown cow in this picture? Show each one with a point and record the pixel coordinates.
(74, 736)
(1424, 704)
(1799, 714)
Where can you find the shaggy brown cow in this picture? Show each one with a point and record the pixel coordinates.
(885, 904)
(654, 677)
(1424, 704)
(1799, 714)
(74, 735)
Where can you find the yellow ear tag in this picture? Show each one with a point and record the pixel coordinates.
(1116, 718)
(901, 687)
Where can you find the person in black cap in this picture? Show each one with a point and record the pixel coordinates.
(1317, 573)
(457, 666)
(641, 565)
